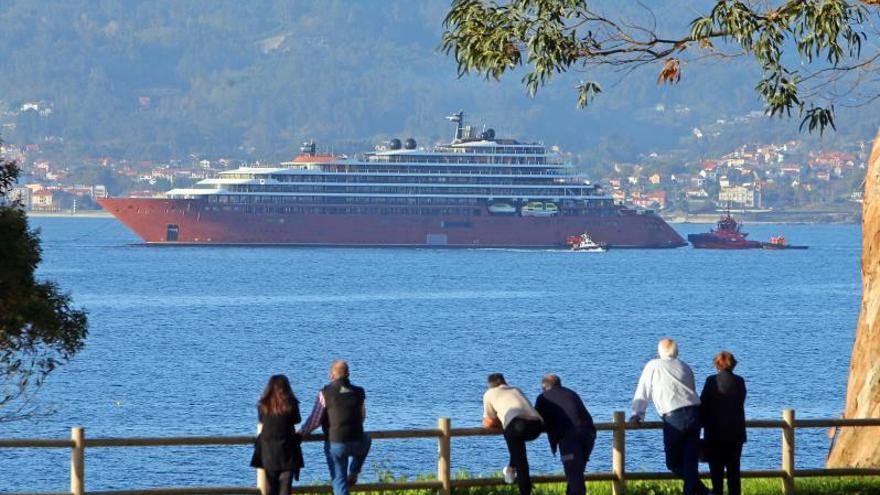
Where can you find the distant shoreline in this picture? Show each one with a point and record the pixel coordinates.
(789, 219)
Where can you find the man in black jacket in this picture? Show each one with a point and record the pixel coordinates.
(340, 410)
(569, 428)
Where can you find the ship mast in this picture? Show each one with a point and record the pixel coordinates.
(458, 118)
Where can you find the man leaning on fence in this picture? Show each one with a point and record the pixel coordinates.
(569, 428)
(340, 410)
(669, 383)
(507, 407)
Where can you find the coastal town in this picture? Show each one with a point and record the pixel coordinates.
(775, 181)
(761, 180)
(755, 179)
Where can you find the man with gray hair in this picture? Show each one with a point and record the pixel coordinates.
(669, 383)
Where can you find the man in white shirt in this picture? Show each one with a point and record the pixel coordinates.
(669, 383)
(506, 407)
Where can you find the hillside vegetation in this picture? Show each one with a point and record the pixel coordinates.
(251, 79)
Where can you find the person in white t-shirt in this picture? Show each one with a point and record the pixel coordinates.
(506, 407)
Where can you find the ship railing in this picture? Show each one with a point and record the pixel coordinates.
(494, 160)
(420, 171)
(393, 172)
(445, 483)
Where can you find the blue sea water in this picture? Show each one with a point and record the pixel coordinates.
(182, 340)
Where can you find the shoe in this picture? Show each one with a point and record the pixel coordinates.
(509, 474)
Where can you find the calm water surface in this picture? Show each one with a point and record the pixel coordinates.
(183, 339)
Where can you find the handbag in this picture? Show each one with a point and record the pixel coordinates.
(703, 450)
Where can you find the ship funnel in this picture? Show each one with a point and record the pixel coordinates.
(308, 148)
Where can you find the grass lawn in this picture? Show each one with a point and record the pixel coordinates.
(807, 486)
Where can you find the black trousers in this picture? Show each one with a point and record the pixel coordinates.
(575, 449)
(279, 482)
(725, 456)
(518, 432)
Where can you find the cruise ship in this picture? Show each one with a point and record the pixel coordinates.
(476, 191)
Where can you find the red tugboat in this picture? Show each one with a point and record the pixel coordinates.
(726, 235)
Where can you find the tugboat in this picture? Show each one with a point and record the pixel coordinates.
(584, 243)
(726, 235)
(779, 242)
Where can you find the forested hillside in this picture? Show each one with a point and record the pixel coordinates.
(252, 79)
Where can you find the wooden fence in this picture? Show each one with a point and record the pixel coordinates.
(444, 433)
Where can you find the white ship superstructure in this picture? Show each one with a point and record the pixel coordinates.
(470, 173)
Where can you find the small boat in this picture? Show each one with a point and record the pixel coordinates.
(584, 243)
(779, 242)
(502, 209)
(539, 209)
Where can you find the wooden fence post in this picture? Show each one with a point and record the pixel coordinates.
(77, 461)
(618, 454)
(262, 482)
(444, 453)
(788, 451)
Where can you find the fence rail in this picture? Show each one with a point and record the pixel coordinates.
(444, 433)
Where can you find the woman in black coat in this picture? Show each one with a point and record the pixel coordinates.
(722, 412)
(278, 448)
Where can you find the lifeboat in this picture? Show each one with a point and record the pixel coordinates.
(502, 209)
(539, 209)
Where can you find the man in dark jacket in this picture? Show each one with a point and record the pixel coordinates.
(569, 428)
(340, 410)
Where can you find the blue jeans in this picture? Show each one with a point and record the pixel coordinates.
(338, 456)
(681, 441)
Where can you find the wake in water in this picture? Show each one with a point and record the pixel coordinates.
(522, 250)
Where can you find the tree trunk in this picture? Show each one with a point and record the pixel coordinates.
(860, 447)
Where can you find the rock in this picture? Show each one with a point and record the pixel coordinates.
(860, 447)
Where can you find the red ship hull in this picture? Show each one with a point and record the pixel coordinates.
(721, 245)
(723, 240)
(195, 221)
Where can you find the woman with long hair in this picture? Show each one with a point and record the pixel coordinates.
(277, 449)
(723, 415)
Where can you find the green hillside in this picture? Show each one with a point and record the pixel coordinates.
(252, 79)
